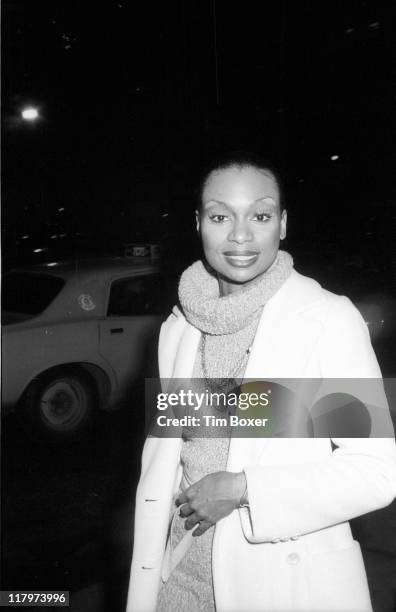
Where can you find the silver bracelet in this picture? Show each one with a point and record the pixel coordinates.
(243, 504)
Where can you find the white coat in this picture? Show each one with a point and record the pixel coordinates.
(292, 549)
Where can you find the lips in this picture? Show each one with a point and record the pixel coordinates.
(241, 259)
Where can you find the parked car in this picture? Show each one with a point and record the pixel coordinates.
(78, 335)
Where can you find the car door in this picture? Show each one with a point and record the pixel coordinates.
(128, 335)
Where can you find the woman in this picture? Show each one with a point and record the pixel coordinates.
(269, 517)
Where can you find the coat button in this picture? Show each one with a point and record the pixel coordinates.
(285, 539)
(294, 538)
(293, 559)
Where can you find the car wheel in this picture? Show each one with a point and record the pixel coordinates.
(59, 405)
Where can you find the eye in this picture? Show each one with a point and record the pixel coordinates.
(262, 216)
(217, 218)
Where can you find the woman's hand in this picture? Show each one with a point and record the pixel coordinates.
(211, 499)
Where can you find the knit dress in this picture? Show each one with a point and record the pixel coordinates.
(230, 327)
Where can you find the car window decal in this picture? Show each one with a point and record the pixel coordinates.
(86, 302)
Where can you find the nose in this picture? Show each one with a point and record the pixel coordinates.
(240, 232)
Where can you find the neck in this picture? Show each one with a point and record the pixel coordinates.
(227, 288)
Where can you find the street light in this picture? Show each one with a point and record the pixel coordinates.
(30, 113)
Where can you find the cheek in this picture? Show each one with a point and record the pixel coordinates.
(212, 237)
(268, 237)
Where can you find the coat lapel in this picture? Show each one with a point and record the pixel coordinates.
(186, 353)
(281, 349)
(285, 335)
(170, 335)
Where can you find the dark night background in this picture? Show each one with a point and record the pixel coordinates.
(133, 97)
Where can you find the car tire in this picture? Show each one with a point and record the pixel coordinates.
(59, 405)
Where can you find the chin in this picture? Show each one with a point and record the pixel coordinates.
(240, 277)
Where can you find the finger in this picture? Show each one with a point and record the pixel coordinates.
(191, 521)
(202, 527)
(186, 510)
(182, 498)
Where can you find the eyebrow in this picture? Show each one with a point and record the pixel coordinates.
(272, 201)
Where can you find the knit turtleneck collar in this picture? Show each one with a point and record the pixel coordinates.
(199, 296)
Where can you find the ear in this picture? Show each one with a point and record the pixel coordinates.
(283, 225)
(197, 220)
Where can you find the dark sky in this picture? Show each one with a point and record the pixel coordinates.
(134, 96)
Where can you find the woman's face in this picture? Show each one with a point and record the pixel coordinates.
(240, 223)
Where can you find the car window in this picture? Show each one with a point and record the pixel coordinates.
(139, 295)
(29, 293)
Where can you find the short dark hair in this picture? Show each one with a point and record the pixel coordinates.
(240, 159)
